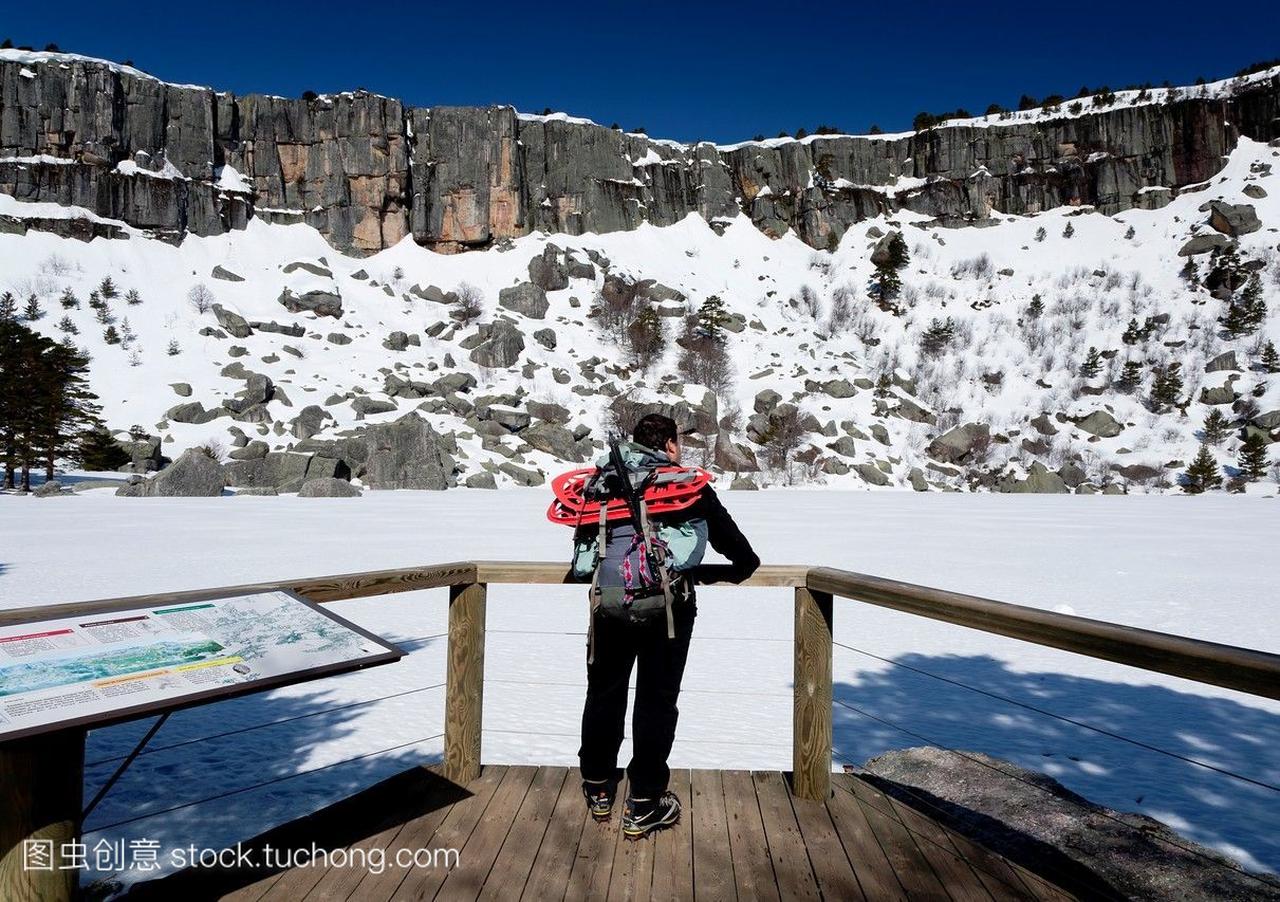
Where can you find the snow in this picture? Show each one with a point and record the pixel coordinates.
(1187, 566)
(46, 57)
(166, 171)
(228, 179)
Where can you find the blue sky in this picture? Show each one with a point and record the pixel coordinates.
(703, 70)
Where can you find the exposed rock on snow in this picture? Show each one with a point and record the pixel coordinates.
(194, 474)
(328, 487)
(962, 444)
(1094, 852)
(1233, 219)
(408, 454)
(526, 298)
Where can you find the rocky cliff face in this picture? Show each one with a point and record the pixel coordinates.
(366, 171)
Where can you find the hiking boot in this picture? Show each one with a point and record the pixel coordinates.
(599, 795)
(643, 815)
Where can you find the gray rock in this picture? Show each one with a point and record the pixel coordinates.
(547, 271)
(963, 444)
(396, 341)
(337, 338)
(365, 405)
(546, 338)
(872, 474)
(407, 454)
(880, 254)
(254, 450)
(321, 303)
(328, 487)
(1139, 472)
(733, 457)
(193, 412)
(1043, 425)
(235, 324)
(500, 345)
(1268, 420)
(1101, 424)
(554, 440)
(310, 420)
(225, 275)
(525, 298)
(1072, 475)
(193, 475)
(48, 489)
(314, 268)
(917, 480)
(766, 401)
(1039, 481)
(1032, 819)
(1233, 219)
(1257, 192)
(521, 475)
(181, 389)
(262, 490)
(1203, 244)
(295, 330)
(845, 446)
(1224, 361)
(482, 480)
(1219, 394)
(551, 413)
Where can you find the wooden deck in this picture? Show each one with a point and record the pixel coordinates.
(522, 832)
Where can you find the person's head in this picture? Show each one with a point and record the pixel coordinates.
(659, 433)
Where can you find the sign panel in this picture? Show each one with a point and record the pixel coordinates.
(93, 669)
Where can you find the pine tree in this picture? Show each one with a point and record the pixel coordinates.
(32, 311)
(1203, 474)
(936, 338)
(884, 385)
(8, 307)
(1068, 231)
(104, 316)
(1255, 306)
(712, 318)
(1130, 233)
(1040, 234)
(1270, 359)
(69, 300)
(646, 339)
(1132, 333)
(1253, 456)
(132, 298)
(95, 300)
(107, 289)
(1191, 273)
(1216, 427)
(100, 451)
(1167, 386)
(1092, 364)
(174, 348)
(67, 326)
(1130, 376)
(1036, 308)
(111, 336)
(127, 335)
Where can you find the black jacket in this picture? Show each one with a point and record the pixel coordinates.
(725, 537)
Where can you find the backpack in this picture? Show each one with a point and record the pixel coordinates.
(632, 539)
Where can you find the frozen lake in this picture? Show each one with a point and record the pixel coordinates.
(1202, 567)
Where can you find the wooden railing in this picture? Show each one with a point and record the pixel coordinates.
(1246, 670)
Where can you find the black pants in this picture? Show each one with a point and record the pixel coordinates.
(659, 663)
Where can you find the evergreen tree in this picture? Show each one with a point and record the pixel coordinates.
(704, 356)
(1036, 308)
(32, 311)
(886, 284)
(100, 451)
(1255, 306)
(95, 300)
(111, 336)
(132, 298)
(1092, 365)
(1068, 231)
(1253, 456)
(104, 316)
(1216, 427)
(884, 385)
(1132, 333)
(646, 339)
(937, 336)
(8, 307)
(1167, 386)
(1203, 474)
(67, 326)
(69, 300)
(1130, 376)
(1040, 234)
(1191, 273)
(107, 289)
(1270, 359)
(712, 318)
(174, 348)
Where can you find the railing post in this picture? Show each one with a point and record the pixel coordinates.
(811, 719)
(41, 794)
(464, 682)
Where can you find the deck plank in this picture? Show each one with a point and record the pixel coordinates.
(752, 867)
(673, 848)
(792, 865)
(477, 855)
(909, 863)
(593, 865)
(632, 875)
(712, 859)
(870, 862)
(514, 861)
(549, 877)
(832, 868)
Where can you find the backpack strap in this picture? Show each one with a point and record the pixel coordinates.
(593, 600)
(654, 548)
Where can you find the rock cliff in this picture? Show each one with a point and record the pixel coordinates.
(365, 170)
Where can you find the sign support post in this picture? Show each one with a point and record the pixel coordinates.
(41, 797)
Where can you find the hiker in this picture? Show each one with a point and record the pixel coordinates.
(654, 636)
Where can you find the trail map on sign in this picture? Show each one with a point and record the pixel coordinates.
(99, 668)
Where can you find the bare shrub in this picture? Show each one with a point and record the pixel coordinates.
(808, 302)
(213, 449)
(469, 304)
(841, 309)
(200, 298)
(980, 268)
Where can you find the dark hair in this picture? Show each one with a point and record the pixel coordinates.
(654, 431)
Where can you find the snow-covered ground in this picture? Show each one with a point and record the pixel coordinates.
(1201, 567)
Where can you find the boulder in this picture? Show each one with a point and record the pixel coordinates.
(235, 324)
(193, 475)
(1219, 394)
(481, 480)
(556, 441)
(314, 268)
(963, 444)
(880, 254)
(1224, 361)
(144, 453)
(1039, 481)
(321, 303)
(254, 450)
(1233, 219)
(917, 480)
(295, 330)
(181, 389)
(328, 487)
(1032, 819)
(872, 474)
(546, 338)
(525, 298)
(499, 346)
(547, 272)
(310, 420)
(407, 454)
(281, 470)
(551, 413)
(48, 489)
(1100, 423)
(193, 412)
(223, 274)
(766, 401)
(1043, 425)
(521, 475)
(1203, 244)
(364, 405)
